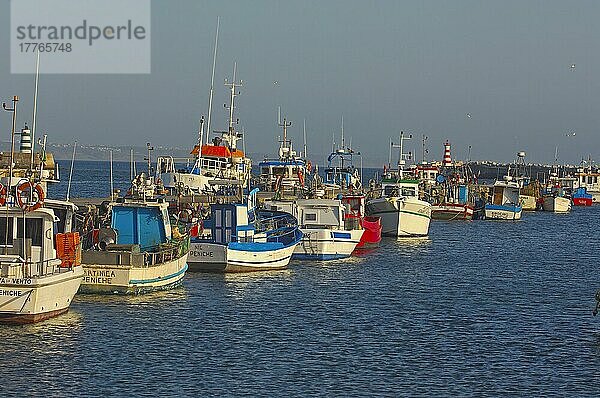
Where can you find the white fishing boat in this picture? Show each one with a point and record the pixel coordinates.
(136, 251)
(241, 238)
(556, 204)
(322, 221)
(37, 281)
(557, 195)
(214, 164)
(287, 174)
(401, 211)
(504, 203)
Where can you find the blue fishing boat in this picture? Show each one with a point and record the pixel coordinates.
(134, 250)
(241, 238)
(581, 197)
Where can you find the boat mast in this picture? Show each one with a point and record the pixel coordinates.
(111, 176)
(231, 134)
(201, 134)
(424, 149)
(342, 132)
(71, 171)
(212, 84)
(390, 154)
(150, 148)
(401, 156)
(34, 117)
(12, 136)
(285, 151)
(304, 133)
(12, 151)
(131, 174)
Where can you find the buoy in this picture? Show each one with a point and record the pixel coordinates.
(23, 194)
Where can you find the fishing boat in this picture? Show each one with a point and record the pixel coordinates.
(556, 197)
(286, 175)
(587, 177)
(355, 218)
(530, 194)
(556, 203)
(450, 194)
(581, 197)
(345, 179)
(40, 268)
(133, 249)
(504, 202)
(455, 204)
(40, 264)
(242, 238)
(341, 174)
(401, 211)
(215, 164)
(322, 221)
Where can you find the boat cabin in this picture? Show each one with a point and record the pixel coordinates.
(27, 247)
(313, 213)
(282, 173)
(505, 193)
(400, 187)
(145, 224)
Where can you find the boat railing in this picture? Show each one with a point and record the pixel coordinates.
(164, 254)
(17, 267)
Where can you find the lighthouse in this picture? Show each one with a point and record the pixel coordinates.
(447, 158)
(25, 140)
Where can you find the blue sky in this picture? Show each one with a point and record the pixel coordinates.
(493, 75)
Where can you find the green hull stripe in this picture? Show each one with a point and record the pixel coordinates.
(154, 280)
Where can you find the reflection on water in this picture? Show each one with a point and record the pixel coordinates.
(478, 309)
(140, 300)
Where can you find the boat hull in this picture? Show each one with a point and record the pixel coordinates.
(372, 235)
(582, 201)
(503, 212)
(29, 300)
(127, 279)
(401, 217)
(327, 244)
(452, 211)
(556, 204)
(216, 257)
(528, 203)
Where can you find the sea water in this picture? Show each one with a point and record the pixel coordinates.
(480, 308)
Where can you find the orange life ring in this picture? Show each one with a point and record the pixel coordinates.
(3, 192)
(23, 196)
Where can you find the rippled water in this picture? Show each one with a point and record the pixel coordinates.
(480, 308)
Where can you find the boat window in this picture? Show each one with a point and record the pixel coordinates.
(33, 230)
(265, 170)
(390, 191)
(310, 217)
(62, 216)
(3, 240)
(408, 192)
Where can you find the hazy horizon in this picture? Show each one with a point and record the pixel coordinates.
(496, 76)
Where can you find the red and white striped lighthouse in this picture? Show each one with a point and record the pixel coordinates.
(447, 158)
